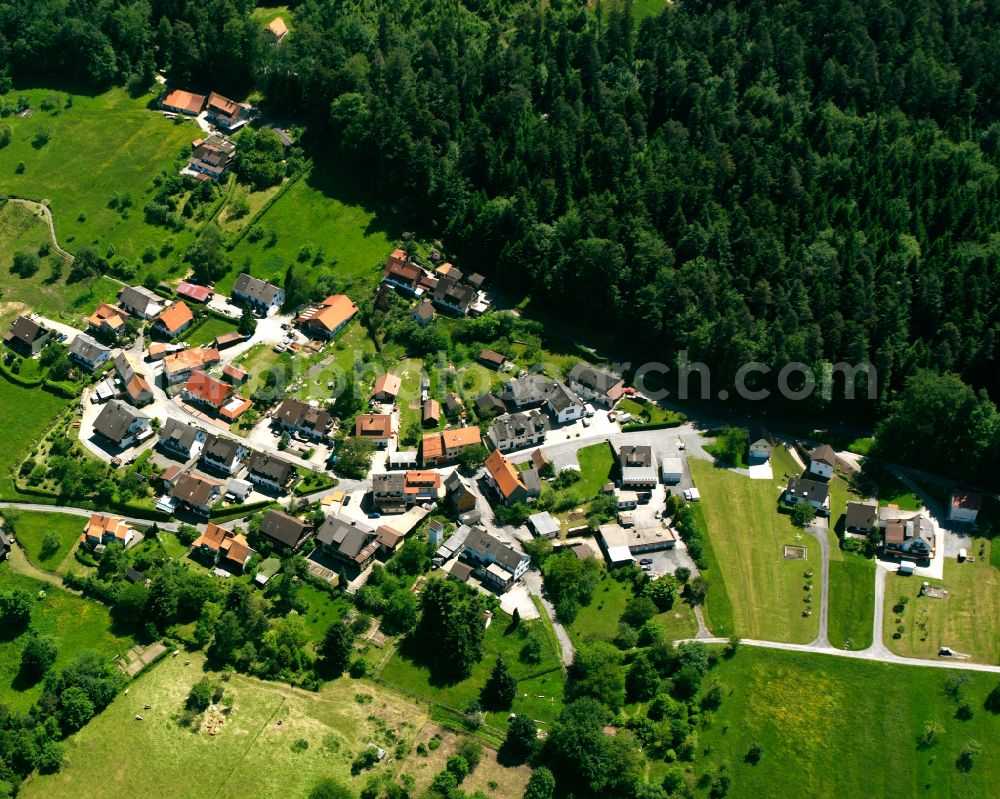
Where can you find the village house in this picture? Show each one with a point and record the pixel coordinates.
(121, 425)
(138, 391)
(194, 292)
(822, 461)
(518, 430)
(270, 472)
(211, 158)
(490, 405)
(126, 366)
(563, 404)
(907, 533)
(107, 321)
(861, 518)
(386, 388)
(637, 467)
(431, 414)
(202, 389)
(438, 449)
(178, 366)
(223, 547)
(452, 295)
(27, 336)
(276, 30)
(197, 494)
(401, 273)
(225, 455)
(511, 484)
(234, 375)
(182, 439)
(296, 416)
(498, 562)
(525, 392)
(280, 527)
(178, 101)
(461, 497)
(329, 317)
(101, 529)
(396, 492)
(347, 541)
(225, 113)
(260, 295)
(801, 489)
(423, 314)
(87, 352)
(492, 360)
(174, 320)
(374, 427)
(595, 384)
(964, 506)
(140, 302)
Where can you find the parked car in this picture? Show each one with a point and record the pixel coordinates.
(373, 515)
(586, 422)
(680, 445)
(646, 567)
(645, 561)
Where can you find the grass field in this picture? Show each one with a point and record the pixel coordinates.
(207, 331)
(834, 727)
(77, 624)
(852, 601)
(252, 753)
(747, 535)
(101, 145)
(647, 411)
(891, 491)
(264, 15)
(32, 527)
(596, 463)
(966, 621)
(25, 414)
(322, 611)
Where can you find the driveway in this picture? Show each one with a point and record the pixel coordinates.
(533, 582)
(820, 531)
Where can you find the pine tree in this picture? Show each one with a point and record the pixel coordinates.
(335, 651)
(501, 688)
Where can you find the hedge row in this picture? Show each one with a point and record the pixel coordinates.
(231, 244)
(52, 498)
(238, 511)
(635, 428)
(17, 380)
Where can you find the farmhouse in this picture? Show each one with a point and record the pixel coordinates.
(284, 529)
(386, 388)
(499, 563)
(374, 427)
(441, 448)
(637, 467)
(87, 352)
(596, 384)
(121, 425)
(27, 336)
(107, 321)
(225, 113)
(197, 494)
(181, 102)
(225, 455)
(822, 461)
(517, 430)
(271, 472)
(182, 439)
(329, 317)
(174, 320)
(101, 529)
(211, 157)
(301, 417)
(801, 489)
(260, 295)
(964, 506)
(861, 517)
(141, 302)
(512, 485)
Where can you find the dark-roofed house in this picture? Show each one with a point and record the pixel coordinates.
(499, 563)
(637, 467)
(489, 405)
(27, 336)
(262, 296)
(822, 461)
(517, 430)
(271, 472)
(182, 439)
(140, 301)
(431, 414)
(5, 544)
(87, 352)
(212, 157)
(388, 492)
(596, 384)
(402, 273)
(301, 417)
(197, 494)
(801, 489)
(287, 530)
(223, 454)
(491, 359)
(563, 403)
(121, 424)
(453, 295)
(525, 392)
(454, 406)
(861, 517)
(912, 537)
(423, 313)
(344, 540)
(460, 494)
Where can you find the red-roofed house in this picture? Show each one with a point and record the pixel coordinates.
(206, 390)
(174, 320)
(225, 113)
(374, 427)
(195, 293)
(329, 317)
(108, 320)
(181, 102)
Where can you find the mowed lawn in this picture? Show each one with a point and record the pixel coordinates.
(834, 727)
(25, 414)
(31, 529)
(77, 624)
(852, 601)
(252, 753)
(103, 144)
(966, 621)
(208, 330)
(747, 536)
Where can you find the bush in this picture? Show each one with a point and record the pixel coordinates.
(200, 695)
(328, 788)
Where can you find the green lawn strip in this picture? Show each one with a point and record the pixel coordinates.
(77, 625)
(807, 711)
(596, 464)
(718, 608)
(599, 619)
(25, 415)
(32, 528)
(965, 621)
(748, 536)
(647, 411)
(891, 491)
(174, 548)
(852, 601)
(207, 331)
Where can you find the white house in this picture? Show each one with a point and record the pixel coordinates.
(671, 471)
(801, 489)
(563, 404)
(821, 462)
(262, 296)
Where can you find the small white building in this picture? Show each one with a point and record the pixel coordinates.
(544, 525)
(822, 461)
(671, 471)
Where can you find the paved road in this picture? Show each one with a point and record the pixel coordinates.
(821, 533)
(84, 513)
(533, 582)
(878, 649)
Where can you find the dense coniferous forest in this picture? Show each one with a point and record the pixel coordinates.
(769, 181)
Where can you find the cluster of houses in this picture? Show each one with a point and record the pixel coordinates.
(213, 155)
(475, 552)
(447, 288)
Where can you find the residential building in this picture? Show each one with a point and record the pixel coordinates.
(431, 414)
(140, 302)
(181, 102)
(596, 385)
(512, 485)
(87, 352)
(347, 541)
(441, 448)
(27, 336)
(268, 471)
(262, 296)
(225, 113)
(121, 425)
(448, 270)
(637, 467)
(178, 366)
(452, 546)
(107, 321)
(525, 392)
(196, 493)
(182, 439)
(212, 157)
(329, 317)
(452, 295)
(101, 529)
(374, 427)
(401, 273)
(388, 495)
(194, 292)
(861, 517)
(671, 470)
(276, 30)
(423, 314)
(563, 403)
(126, 366)
(964, 505)
(489, 405)
(461, 497)
(280, 527)
(223, 454)
(801, 489)
(492, 360)
(517, 430)
(223, 548)
(822, 461)
(386, 388)
(203, 389)
(499, 563)
(234, 375)
(907, 534)
(138, 391)
(297, 416)
(454, 407)
(174, 320)
(544, 525)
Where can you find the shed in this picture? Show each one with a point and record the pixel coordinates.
(671, 470)
(544, 524)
